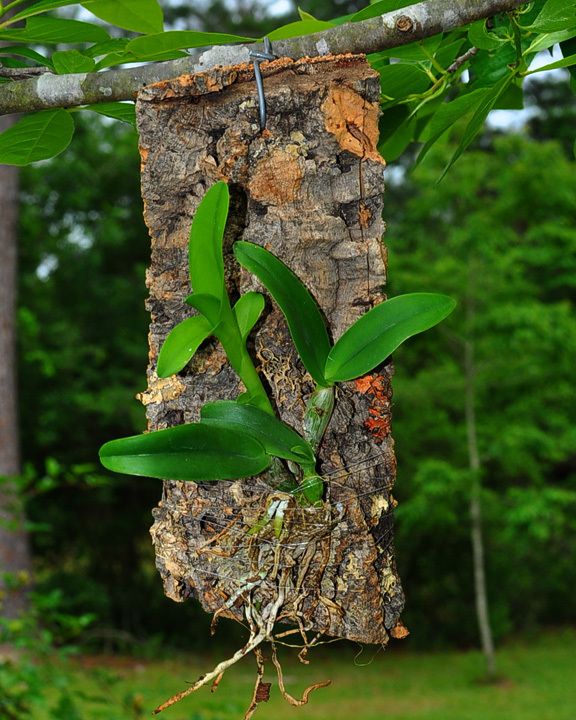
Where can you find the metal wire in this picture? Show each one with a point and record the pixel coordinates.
(257, 57)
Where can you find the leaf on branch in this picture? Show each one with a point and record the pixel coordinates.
(448, 114)
(72, 61)
(304, 319)
(196, 452)
(22, 51)
(480, 37)
(401, 80)
(298, 28)
(180, 40)
(374, 336)
(49, 30)
(555, 16)
(36, 137)
(123, 111)
(380, 8)
(39, 7)
(143, 16)
(478, 119)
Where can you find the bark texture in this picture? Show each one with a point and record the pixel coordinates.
(15, 562)
(309, 188)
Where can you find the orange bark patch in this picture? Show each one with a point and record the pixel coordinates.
(353, 121)
(378, 422)
(400, 631)
(276, 179)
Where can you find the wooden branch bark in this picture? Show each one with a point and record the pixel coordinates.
(386, 31)
(309, 188)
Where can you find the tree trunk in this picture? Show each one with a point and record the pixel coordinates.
(476, 534)
(15, 561)
(309, 188)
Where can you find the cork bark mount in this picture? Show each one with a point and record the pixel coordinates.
(309, 188)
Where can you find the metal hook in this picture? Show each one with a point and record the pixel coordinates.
(257, 57)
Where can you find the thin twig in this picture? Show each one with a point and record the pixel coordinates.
(22, 73)
(462, 59)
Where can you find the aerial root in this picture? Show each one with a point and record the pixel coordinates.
(285, 694)
(261, 689)
(266, 625)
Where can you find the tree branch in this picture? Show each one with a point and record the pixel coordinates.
(384, 32)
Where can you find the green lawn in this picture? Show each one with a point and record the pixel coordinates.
(538, 683)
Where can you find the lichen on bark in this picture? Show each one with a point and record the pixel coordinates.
(309, 188)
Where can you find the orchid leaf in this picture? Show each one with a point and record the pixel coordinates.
(374, 336)
(182, 344)
(247, 311)
(304, 319)
(196, 452)
(206, 236)
(277, 438)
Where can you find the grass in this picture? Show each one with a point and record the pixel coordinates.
(537, 683)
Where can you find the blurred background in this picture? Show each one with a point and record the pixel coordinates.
(498, 233)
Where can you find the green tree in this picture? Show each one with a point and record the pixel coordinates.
(493, 238)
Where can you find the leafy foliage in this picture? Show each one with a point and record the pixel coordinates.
(198, 451)
(36, 137)
(507, 253)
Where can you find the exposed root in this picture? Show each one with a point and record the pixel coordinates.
(288, 547)
(261, 689)
(285, 694)
(267, 618)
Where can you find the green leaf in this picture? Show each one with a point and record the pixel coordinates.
(401, 80)
(205, 247)
(448, 114)
(247, 311)
(568, 47)
(114, 45)
(477, 120)
(543, 42)
(39, 7)
(398, 131)
(305, 15)
(181, 345)
(124, 111)
(277, 438)
(298, 28)
(418, 51)
(143, 16)
(72, 61)
(480, 37)
(304, 320)
(374, 336)
(565, 62)
(36, 137)
(489, 67)
(380, 8)
(21, 51)
(48, 30)
(208, 305)
(180, 40)
(555, 16)
(196, 452)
